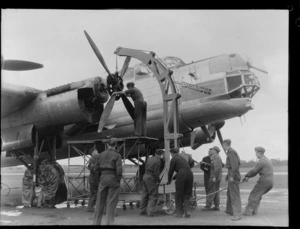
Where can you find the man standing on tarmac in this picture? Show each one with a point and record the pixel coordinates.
(264, 184)
(214, 181)
(150, 184)
(110, 166)
(205, 165)
(233, 205)
(93, 180)
(183, 183)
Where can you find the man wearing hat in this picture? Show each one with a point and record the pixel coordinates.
(183, 183)
(233, 204)
(205, 165)
(93, 180)
(109, 164)
(214, 181)
(264, 184)
(150, 184)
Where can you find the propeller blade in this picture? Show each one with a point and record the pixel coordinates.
(97, 52)
(128, 105)
(106, 113)
(125, 66)
(220, 138)
(19, 65)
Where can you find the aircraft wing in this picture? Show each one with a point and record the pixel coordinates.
(14, 97)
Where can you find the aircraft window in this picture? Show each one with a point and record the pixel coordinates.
(234, 82)
(129, 75)
(249, 79)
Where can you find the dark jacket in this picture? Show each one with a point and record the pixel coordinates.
(94, 176)
(206, 167)
(177, 164)
(216, 169)
(153, 167)
(110, 160)
(264, 168)
(233, 164)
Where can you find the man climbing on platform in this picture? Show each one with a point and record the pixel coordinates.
(140, 109)
(150, 184)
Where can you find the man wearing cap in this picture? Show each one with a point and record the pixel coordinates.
(109, 164)
(93, 180)
(264, 184)
(140, 109)
(205, 165)
(183, 183)
(150, 184)
(214, 181)
(233, 204)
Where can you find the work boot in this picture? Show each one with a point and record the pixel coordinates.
(236, 217)
(216, 208)
(206, 208)
(229, 213)
(151, 214)
(143, 213)
(178, 215)
(187, 215)
(247, 213)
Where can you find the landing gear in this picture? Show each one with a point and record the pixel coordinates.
(169, 207)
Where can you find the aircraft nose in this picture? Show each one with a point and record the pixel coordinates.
(249, 104)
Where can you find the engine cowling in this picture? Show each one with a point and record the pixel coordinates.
(76, 102)
(199, 137)
(17, 138)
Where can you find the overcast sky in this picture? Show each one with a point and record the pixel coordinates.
(55, 39)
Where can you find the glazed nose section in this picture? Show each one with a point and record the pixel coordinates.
(249, 104)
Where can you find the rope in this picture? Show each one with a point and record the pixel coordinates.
(215, 192)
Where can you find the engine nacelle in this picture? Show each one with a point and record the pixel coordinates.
(198, 137)
(17, 138)
(77, 102)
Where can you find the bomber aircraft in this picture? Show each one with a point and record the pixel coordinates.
(212, 90)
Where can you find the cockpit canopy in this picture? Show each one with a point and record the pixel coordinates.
(141, 71)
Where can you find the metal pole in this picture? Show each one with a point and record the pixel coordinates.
(54, 149)
(70, 193)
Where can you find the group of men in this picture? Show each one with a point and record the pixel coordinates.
(106, 173)
(212, 166)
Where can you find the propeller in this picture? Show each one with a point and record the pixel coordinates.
(220, 138)
(19, 65)
(114, 84)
